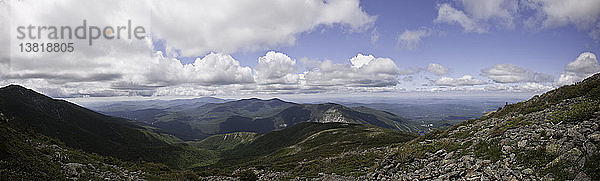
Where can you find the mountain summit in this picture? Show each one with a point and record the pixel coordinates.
(552, 136)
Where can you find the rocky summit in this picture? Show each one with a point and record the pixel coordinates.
(514, 147)
(554, 136)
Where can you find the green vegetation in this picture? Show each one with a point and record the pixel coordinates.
(27, 155)
(259, 116)
(563, 167)
(510, 124)
(391, 120)
(19, 160)
(576, 112)
(224, 142)
(417, 149)
(31, 156)
(588, 88)
(220, 118)
(92, 132)
(308, 149)
(489, 150)
(535, 158)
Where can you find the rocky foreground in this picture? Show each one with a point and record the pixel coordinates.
(535, 146)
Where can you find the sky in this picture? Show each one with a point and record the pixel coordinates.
(305, 48)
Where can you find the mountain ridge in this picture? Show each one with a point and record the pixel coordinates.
(260, 116)
(90, 131)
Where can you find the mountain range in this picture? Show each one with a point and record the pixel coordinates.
(553, 136)
(199, 120)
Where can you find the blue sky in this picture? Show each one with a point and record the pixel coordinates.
(547, 50)
(310, 48)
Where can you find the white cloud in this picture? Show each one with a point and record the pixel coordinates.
(503, 11)
(228, 25)
(583, 14)
(410, 39)
(508, 73)
(89, 69)
(584, 66)
(275, 68)
(364, 71)
(212, 69)
(361, 60)
(437, 69)
(531, 87)
(466, 80)
(450, 15)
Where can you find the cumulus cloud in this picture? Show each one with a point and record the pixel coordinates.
(466, 80)
(410, 39)
(450, 15)
(437, 69)
(361, 60)
(364, 71)
(212, 69)
(227, 25)
(584, 66)
(275, 68)
(581, 13)
(508, 73)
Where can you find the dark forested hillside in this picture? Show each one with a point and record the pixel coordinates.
(84, 129)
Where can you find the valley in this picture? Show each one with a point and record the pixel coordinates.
(551, 136)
